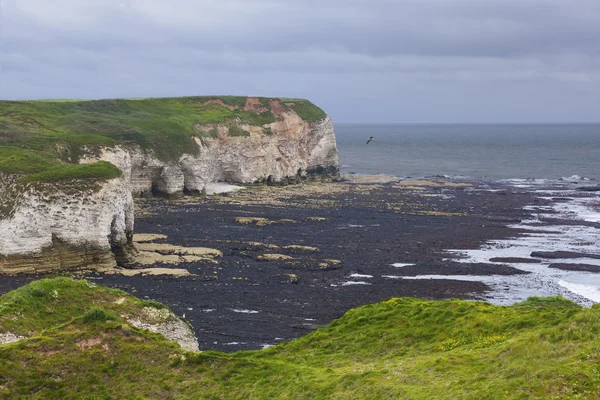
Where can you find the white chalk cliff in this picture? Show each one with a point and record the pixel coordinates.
(59, 226)
(293, 149)
(64, 225)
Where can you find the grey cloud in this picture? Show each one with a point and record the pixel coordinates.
(334, 52)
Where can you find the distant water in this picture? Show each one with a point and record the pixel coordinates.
(549, 160)
(475, 151)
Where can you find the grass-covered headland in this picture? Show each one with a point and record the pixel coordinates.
(37, 136)
(79, 346)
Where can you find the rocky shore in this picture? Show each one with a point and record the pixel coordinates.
(296, 257)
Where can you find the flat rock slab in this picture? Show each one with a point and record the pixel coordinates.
(570, 222)
(590, 189)
(147, 237)
(576, 267)
(176, 272)
(273, 257)
(563, 254)
(515, 260)
(373, 179)
(456, 268)
(169, 249)
(430, 183)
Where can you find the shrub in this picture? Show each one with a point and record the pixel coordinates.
(97, 315)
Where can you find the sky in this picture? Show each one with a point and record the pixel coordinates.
(365, 61)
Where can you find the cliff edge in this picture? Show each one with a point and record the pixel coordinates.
(69, 169)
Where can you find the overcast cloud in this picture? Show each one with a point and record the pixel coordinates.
(361, 60)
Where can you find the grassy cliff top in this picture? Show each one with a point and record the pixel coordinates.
(37, 166)
(62, 128)
(402, 348)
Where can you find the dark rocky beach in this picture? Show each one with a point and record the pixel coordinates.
(297, 257)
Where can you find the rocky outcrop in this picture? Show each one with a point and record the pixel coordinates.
(284, 151)
(166, 323)
(66, 225)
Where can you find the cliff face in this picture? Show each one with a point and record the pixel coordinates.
(292, 149)
(64, 204)
(58, 226)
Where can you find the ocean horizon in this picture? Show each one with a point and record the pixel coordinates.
(472, 151)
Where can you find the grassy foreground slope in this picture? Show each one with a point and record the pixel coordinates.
(402, 348)
(38, 135)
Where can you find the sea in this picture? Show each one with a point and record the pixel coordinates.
(474, 151)
(554, 161)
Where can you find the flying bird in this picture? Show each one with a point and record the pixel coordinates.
(370, 139)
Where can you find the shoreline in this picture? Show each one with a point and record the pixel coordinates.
(297, 257)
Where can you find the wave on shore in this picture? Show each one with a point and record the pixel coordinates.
(564, 231)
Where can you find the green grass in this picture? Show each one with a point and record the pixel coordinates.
(306, 110)
(52, 302)
(17, 160)
(237, 131)
(98, 171)
(543, 348)
(164, 125)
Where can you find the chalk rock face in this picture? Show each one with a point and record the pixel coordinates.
(66, 225)
(290, 149)
(167, 324)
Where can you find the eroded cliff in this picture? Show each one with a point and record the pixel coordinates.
(49, 226)
(285, 150)
(62, 205)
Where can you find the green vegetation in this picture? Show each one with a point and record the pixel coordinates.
(38, 166)
(52, 302)
(16, 160)
(305, 109)
(237, 131)
(101, 170)
(165, 125)
(402, 348)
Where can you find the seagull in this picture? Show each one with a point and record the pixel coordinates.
(370, 139)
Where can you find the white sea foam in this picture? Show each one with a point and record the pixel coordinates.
(440, 195)
(350, 226)
(584, 285)
(580, 209)
(355, 283)
(575, 179)
(360, 276)
(469, 278)
(541, 236)
(400, 265)
(538, 208)
(526, 183)
(244, 311)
